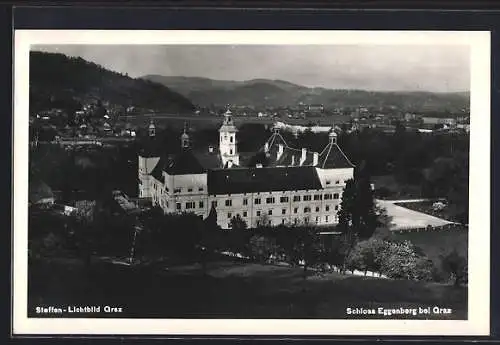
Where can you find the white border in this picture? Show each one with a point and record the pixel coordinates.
(479, 240)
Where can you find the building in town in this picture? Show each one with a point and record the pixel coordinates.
(439, 121)
(285, 186)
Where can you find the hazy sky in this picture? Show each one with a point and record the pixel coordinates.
(407, 68)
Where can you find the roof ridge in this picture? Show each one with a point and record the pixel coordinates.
(326, 158)
(344, 154)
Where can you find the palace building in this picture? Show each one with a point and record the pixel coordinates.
(293, 186)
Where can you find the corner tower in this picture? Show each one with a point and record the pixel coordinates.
(227, 141)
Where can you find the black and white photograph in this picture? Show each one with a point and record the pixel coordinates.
(251, 183)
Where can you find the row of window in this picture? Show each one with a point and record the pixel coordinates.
(189, 205)
(295, 221)
(178, 190)
(283, 199)
(336, 182)
(283, 211)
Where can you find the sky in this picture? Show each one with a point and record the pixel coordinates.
(435, 68)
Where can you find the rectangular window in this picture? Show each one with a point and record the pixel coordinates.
(283, 221)
(327, 208)
(336, 196)
(295, 210)
(178, 206)
(307, 209)
(283, 211)
(336, 208)
(190, 205)
(229, 215)
(257, 201)
(307, 198)
(317, 209)
(327, 182)
(245, 213)
(296, 198)
(245, 202)
(229, 202)
(214, 203)
(270, 200)
(317, 197)
(317, 220)
(326, 218)
(200, 189)
(190, 189)
(258, 213)
(200, 204)
(337, 182)
(177, 190)
(284, 199)
(328, 196)
(270, 212)
(295, 220)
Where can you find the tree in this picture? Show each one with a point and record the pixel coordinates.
(239, 237)
(456, 266)
(262, 247)
(400, 260)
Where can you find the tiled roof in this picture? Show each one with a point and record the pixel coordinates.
(248, 180)
(209, 160)
(157, 172)
(183, 163)
(150, 147)
(331, 157)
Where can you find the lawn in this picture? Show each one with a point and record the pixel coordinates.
(229, 289)
(436, 243)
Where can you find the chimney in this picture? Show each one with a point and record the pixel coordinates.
(315, 158)
(266, 147)
(211, 149)
(303, 157)
(280, 151)
(293, 160)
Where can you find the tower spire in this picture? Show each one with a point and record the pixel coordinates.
(152, 128)
(185, 138)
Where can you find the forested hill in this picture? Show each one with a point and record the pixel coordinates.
(62, 79)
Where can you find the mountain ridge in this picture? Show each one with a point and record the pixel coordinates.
(259, 92)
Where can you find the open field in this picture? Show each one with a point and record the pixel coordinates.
(229, 289)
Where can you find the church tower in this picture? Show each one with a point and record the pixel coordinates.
(152, 128)
(185, 139)
(227, 141)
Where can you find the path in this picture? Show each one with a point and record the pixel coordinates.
(404, 218)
